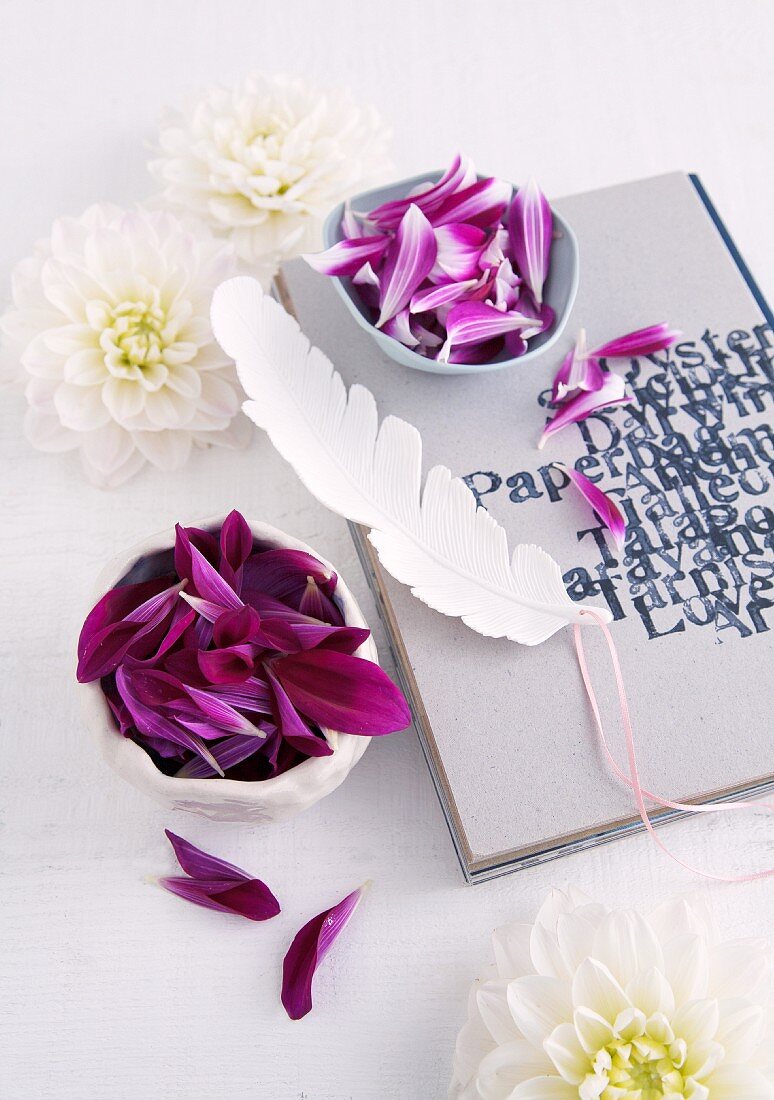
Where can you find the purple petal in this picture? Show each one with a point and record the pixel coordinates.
(308, 949)
(366, 276)
(399, 327)
(460, 174)
(229, 665)
(200, 864)
(611, 392)
(283, 575)
(209, 583)
(507, 286)
(185, 538)
(101, 651)
(348, 256)
(475, 322)
(252, 694)
(252, 899)
(579, 371)
(479, 353)
(342, 692)
(236, 540)
(409, 259)
(607, 511)
(644, 341)
(209, 611)
(440, 295)
(222, 713)
(229, 752)
(482, 204)
(530, 228)
(345, 639)
(156, 727)
(459, 252)
(235, 627)
(292, 726)
(116, 604)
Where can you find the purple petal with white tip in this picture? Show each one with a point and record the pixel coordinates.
(608, 512)
(433, 296)
(399, 328)
(222, 714)
(611, 392)
(482, 204)
(645, 341)
(408, 261)
(476, 322)
(308, 949)
(229, 752)
(347, 257)
(459, 251)
(209, 583)
(579, 371)
(530, 228)
(460, 174)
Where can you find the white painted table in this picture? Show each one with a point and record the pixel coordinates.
(110, 988)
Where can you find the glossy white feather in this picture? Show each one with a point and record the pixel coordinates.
(452, 555)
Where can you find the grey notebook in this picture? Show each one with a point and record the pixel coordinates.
(507, 729)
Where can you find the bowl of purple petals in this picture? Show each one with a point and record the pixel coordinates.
(227, 670)
(452, 272)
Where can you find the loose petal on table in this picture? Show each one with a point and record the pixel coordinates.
(608, 512)
(611, 392)
(308, 949)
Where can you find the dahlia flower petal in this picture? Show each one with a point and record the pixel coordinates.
(538, 1005)
(611, 392)
(510, 1064)
(408, 260)
(645, 341)
(627, 945)
(492, 1003)
(651, 992)
(579, 371)
(594, 987)
(102, 647)
(512, 950)
(348, 257)
(308, 949)
(686, 966)
(344, 693)
(741, 1030)
(608, 512)
(564, 1049)
(283, 574)
(236, 540)
(473, 353)
(594, 1032)
(530, 228)
(735, 1081)
(344, 639)
(545, 1088)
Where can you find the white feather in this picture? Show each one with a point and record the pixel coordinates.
(453, 555)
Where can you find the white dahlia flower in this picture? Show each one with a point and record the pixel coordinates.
(111, 321)
(588, 1004)
(264, 162)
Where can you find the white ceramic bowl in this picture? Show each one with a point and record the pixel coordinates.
(223, 799)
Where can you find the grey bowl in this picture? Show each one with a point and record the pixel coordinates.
(560, 288)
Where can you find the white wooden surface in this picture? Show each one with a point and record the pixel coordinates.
(108, 987)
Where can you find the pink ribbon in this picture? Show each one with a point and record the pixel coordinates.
(632, 780)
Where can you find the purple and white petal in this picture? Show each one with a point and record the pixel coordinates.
(530, 229)
(644, 341)
(347, 257)
(608, 512)
(408, 261)
(611, 392)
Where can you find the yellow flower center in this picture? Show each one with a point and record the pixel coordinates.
(137, 333)
(641, 1066)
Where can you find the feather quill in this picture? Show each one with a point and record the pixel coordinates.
(453, 555)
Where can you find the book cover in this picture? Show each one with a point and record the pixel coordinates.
(506, 729)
